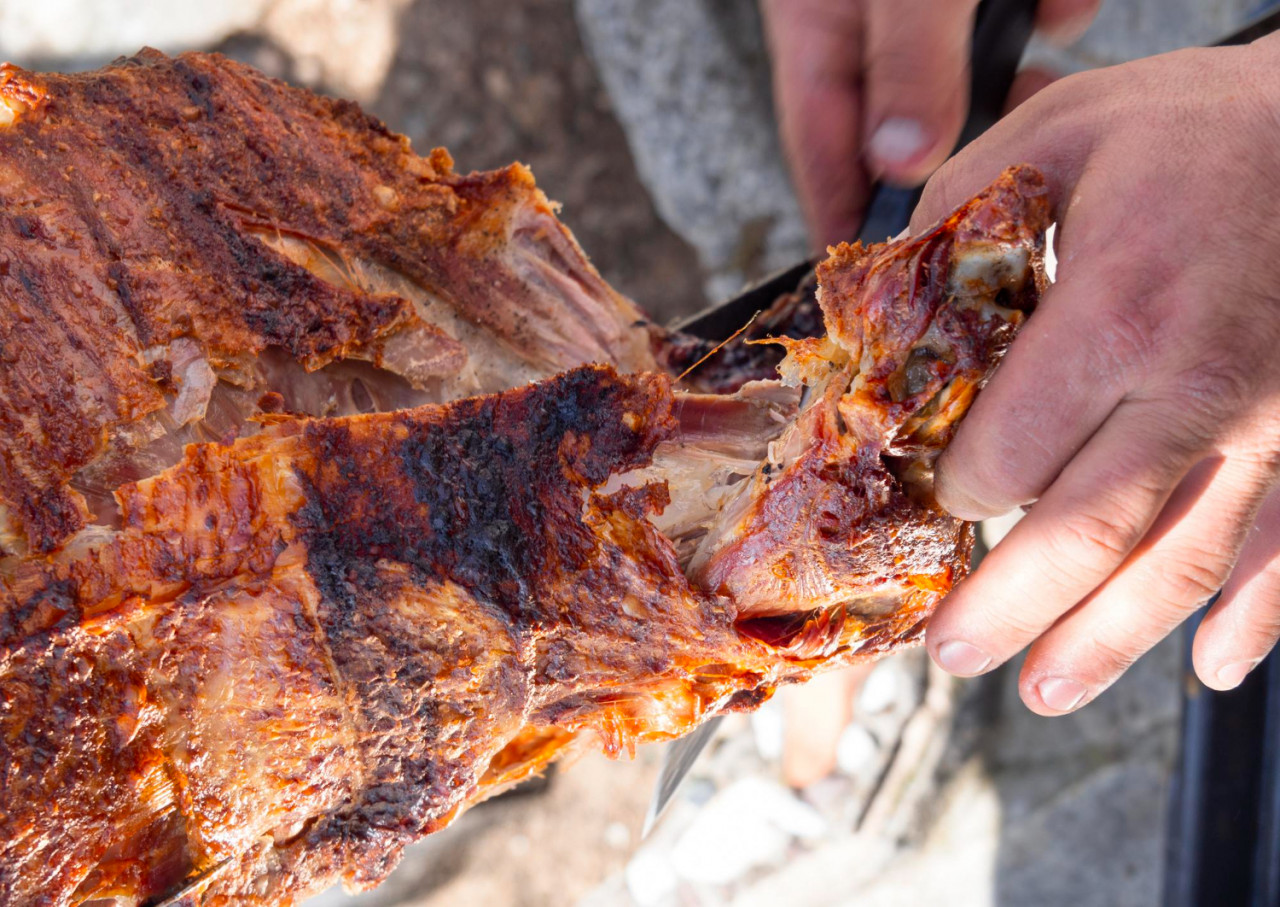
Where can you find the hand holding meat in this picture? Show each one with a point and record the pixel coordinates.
(1140, 409)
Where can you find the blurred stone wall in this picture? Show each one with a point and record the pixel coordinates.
(345, 44)
(690, 81)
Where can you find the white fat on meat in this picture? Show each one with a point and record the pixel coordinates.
(722, 441)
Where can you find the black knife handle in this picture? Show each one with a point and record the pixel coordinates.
(1001, 30)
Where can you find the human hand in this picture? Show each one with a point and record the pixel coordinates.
(892, 75)
(1139, 407)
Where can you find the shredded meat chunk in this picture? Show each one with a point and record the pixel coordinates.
(297, 563)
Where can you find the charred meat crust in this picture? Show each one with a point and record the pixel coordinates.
(479, 498)
(270, 648)
(303, 649)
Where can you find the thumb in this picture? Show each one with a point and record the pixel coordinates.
(917, 84)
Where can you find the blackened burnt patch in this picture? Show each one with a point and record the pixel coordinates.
(486, 493)
(179, 166)
(53, 607)
(198, 86)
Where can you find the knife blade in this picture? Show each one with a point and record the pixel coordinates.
(678, 758)
(1000, 34)
(187, 893)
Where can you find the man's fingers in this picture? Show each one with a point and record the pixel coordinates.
(1065, 21)
(1244, 624)
(917, 83)
(883, 83)
(816, 49)
(1028, 82)
(1021, 138)
(1057, 384)
(1181, 563)
(1076, 535)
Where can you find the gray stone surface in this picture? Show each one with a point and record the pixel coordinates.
(495, 82)
(1087, 791)
(1128, 29)
(689, 80)
(1092, 844)
(346, 44)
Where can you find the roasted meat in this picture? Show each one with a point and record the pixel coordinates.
(386, 577)
(187, 233)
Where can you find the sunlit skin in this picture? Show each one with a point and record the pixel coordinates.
(1138, 411)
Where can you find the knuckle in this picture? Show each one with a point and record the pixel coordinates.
(1062, 573)
(1189, 583)
(1014, 627)
(1056, 10)
(1254, 625)
(992, 481)
(1261, 452)
(1216, 385)
(1181, 583)
(1090, 539)
(1077, 91)
(830, 15)
(1113, 655)
(894, 64)
(917, 70)
(1263, 623)
(1011, 468)
(1130, 339)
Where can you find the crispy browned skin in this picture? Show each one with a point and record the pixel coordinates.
(841, 523)
(296, 652)
(132, 202)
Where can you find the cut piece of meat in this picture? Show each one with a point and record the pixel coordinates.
(323, 629)
(842, 511)
(722, 368)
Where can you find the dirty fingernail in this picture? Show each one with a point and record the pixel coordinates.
(957, 657)
(1233, 675)
(1060, 693)
(898, 140)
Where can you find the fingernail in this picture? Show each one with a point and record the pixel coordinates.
(1233, 675)
(1060, 693)
(898, 140)
(957, 657)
